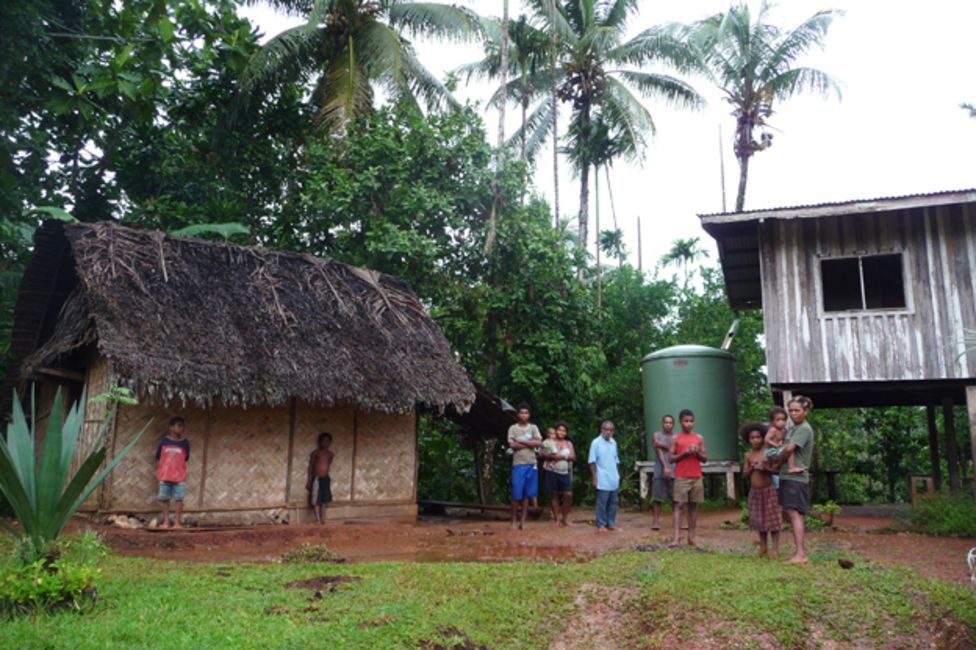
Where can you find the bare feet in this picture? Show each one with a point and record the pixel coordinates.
(675, 543)
(601, 529)
(613, 528)
(515, 525)
(691, 542)
(177, 525)
(655, 526)
(801, 559)
(564, 522)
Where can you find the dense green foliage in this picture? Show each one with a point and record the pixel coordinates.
(944, 515)
(65, 583)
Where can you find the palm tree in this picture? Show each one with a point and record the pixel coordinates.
(612, 243)
(351, 48)
(683, 253)
(753, 64)
(597, 72)
(528, 60)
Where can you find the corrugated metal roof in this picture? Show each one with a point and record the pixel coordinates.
(878, 204)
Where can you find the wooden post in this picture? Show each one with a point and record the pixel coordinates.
(934, 446)
(355, 435)
(787, 396)
(478, 469)
(952, 455)
(203, 468)
(971, 411)
(292, 412)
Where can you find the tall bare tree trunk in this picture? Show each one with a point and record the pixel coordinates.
(525, 110)
(613, 211)
(584, 208)
(599, 269)
(555, 112)
(742, 153)
(500, 151)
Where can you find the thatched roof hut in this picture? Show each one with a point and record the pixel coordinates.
(217, 330)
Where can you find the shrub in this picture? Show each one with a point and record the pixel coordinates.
(311, 553)
(945, 515)
(62, 579)
(34, 476)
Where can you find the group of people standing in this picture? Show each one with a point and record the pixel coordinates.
(777, 466)
(558, 455)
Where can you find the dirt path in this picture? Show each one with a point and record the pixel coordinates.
(445, 539)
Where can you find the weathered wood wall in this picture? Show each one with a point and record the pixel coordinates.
(923, 341)
(239, 459)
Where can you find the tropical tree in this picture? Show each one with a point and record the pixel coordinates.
(528, 58)
(683, 253)
(753, 62)
(611, 242)
(352, 48)
(600, 75)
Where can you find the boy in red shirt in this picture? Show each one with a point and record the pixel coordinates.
(172, 453)
(687, 454)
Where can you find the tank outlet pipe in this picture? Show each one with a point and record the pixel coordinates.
(733, 330)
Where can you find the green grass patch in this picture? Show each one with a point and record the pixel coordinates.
(661, 596)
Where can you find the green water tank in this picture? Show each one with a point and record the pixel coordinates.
(698, 378)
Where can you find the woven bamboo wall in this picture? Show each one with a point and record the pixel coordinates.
(386, 454)
(309, 421)
(134, 483)
(97, 381)
(247, 457)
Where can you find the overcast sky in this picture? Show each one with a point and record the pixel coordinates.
(904, 68)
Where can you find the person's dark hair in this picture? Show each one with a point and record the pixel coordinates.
(523, 405)
(803, 401)
(749, 427)
(325, 434)
(684, 413)
(666, 417)
(774, 411)
(176, 419)
(561, 423)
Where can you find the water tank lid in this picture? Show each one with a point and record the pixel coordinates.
(685, 351)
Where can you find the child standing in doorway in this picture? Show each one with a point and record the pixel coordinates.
(765, 514)
(319, 464)
(173, 452)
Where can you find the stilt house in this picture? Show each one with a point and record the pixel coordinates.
(258, 350)
(865, 303)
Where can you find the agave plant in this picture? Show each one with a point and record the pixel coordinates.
(38, 484)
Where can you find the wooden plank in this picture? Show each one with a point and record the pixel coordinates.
(61, 373)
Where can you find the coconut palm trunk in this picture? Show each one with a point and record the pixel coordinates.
(743, 151)
(596, 212)
(500, 152)
(555, 114)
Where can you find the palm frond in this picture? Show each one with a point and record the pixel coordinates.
(529, 86)
(425, 85)
(442, 21)
(283, 59)
(618, 12)
(674, 91)
(343, 92)
(537, 127)
(800, 80)
(628, 118)
(808, 34)
(969, 107)
(661, 44)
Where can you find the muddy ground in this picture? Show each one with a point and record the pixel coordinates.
(473, 539)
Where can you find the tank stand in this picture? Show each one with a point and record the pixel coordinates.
(729, 468)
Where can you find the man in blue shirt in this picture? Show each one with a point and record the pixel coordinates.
(606, 479)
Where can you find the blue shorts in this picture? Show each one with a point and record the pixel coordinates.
(525, 482)
(169, 491)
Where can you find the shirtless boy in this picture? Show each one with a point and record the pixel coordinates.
(319, 464)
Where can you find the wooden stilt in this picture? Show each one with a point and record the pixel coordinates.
(952, 455)
(934, 447)
(971, 410)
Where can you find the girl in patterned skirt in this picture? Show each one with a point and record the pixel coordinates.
(765, 514)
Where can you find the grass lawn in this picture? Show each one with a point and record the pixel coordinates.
(660, 598)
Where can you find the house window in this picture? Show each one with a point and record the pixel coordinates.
(862, 283)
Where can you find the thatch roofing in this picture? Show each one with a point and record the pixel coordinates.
(199, 321)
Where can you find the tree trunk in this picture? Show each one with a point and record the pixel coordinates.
(743, 141)
(584, 208)
(500, 151)
(613, 211)
(740, 199)
(525, 110)
(599, 270)
(555, 114)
